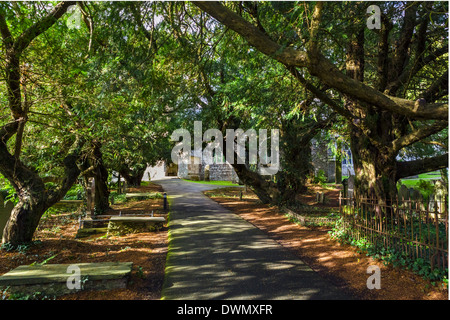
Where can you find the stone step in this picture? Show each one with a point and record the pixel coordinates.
(55, 279)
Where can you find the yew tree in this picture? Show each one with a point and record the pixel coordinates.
(390, 84)
(238, 87)
(19, 33)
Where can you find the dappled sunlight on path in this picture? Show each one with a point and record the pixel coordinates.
(214, 254)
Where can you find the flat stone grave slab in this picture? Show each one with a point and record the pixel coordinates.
(120, 225)
(55, 279)
(86, 232)
(141, 195)
(68, 203)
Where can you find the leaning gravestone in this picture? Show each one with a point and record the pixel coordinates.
(5, 213)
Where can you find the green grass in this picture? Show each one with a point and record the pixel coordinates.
(411, 183)
(217, 183)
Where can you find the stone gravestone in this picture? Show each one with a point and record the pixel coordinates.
(320, 197)
(441, 192)
(417, 196)
(351, 186)
(5, 213)
(431, 203)
(90, 196)
(403, 194)
(411, 193)
(206, 173)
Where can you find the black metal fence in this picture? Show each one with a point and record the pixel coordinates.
(407, 226)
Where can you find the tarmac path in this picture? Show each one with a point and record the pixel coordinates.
(216, 255)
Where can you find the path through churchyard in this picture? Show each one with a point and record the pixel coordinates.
(214, 254)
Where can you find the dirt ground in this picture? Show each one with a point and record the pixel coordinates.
(339, 263)
(56, 238)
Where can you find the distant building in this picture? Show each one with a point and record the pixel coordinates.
(197, 169)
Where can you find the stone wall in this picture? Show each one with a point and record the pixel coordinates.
(222, 172)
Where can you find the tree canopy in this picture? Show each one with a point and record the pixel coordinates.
(91, 87)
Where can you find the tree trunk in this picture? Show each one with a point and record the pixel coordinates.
(296, 165)
(255, 181)
(338, 168)
(375, 172)
(132, 177)
(26, 214)
(101, 197)
(34, 198)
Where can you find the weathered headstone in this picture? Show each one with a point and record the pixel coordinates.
(431, 202)
(351, 186)
(90, 196)
(411, 192)
(417, 196)
(441, 192)
(320, 197)
(126, 225)
(206, 173)
(403, 193)
(5, 213)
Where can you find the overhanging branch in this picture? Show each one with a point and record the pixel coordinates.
(321, 67)
(410, 168)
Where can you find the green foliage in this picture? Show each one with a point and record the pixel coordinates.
(75, 193)
(426, 188)
(320, 177)
(6, 295)
(44, 262)
(21, 248)
(147, 68)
